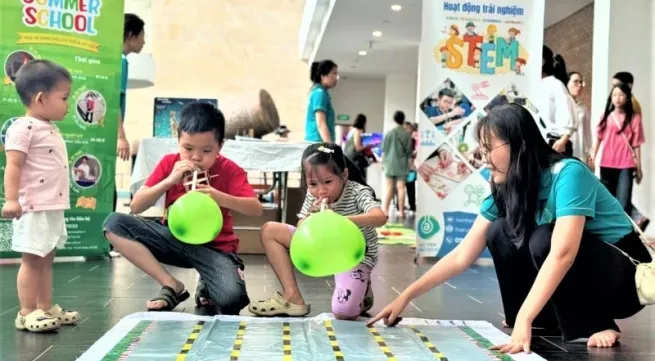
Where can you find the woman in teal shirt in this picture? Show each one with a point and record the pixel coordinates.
(551, 228)
(320, 119)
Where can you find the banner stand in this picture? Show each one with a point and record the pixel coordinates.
(473, 56)
(86, 37)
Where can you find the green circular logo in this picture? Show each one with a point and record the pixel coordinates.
(427, 227)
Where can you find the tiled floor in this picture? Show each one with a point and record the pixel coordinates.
(106, 290)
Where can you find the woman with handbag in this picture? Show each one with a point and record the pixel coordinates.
(557, 237)
(621, 133)
(354, 148)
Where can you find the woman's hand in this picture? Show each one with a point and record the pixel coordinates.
(391, 312)
(520, 340)
(560, 145)
(591, 162)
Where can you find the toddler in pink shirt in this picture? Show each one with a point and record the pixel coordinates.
(37, 191)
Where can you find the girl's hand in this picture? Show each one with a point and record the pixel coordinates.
(446, 159)
(520, 340)
(639, 175)
(12, 210)
(425, 171)
(316, 206)
(391, 312)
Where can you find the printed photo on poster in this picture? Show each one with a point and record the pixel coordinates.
(86, 171)
(167, 115)
(510, 94)
(13, 63)
(444, 170)
(90, 107)
(464, 140)
(447, 107)
(476, 47)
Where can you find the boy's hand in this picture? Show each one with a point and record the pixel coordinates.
(180, 169)
(12, 210)
(210, 191)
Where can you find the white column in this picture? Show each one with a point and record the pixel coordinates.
(619, 47)
(399, 94)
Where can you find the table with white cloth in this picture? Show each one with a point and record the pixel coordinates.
(251, 155)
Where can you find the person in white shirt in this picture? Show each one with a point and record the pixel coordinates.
(556, 107)
(583, 143)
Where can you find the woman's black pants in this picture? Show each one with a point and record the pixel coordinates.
(598, 288)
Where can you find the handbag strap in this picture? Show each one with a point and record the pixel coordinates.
(619, 125)
(643, 238)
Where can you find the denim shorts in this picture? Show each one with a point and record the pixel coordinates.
(221, 272)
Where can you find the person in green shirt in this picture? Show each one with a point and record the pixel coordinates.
(396, 152)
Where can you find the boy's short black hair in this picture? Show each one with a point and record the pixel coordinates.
(132, 26)
(624, 77)
(202, 117)
(399, 117)
(39, 76)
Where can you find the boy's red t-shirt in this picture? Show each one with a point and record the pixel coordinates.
(229, 178)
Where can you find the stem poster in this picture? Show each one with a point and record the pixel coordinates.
(474, 56)
(84, 36)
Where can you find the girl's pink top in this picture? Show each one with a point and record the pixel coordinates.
(616, 152)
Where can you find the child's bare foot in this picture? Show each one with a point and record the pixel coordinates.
(605, 338)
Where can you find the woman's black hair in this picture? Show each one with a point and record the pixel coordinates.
(628, 108)
(319, 69)
(554, 65)
(360, 122)
(334, 159)
(530, 156)
(133, 26)
(572, 73)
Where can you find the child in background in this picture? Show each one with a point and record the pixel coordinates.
(621, 131)
(37, 191)
(328, 178)
(149, 244)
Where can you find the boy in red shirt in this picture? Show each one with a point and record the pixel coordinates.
(148, 244)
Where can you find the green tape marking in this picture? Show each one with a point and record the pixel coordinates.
(484, 343)
(128, 342)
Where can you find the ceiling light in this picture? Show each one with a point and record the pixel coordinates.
(362, 52)
(396, 7)
(377, 33)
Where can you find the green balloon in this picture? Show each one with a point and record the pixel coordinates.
(195, 218)
(327, 243)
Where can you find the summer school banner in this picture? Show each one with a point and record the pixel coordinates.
(474, 56)
(85, 36)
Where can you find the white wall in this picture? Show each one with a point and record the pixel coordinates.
(399, 94)
(361, 95)
(613, 53)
